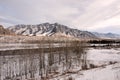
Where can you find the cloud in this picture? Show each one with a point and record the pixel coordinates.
(81, 14)
(6, 24)
(109, 29)
(96, 12)
(9, 19)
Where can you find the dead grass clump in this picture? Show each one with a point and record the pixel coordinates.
(70, 78)
(93, 66)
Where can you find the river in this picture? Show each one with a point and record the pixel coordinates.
(31, 61)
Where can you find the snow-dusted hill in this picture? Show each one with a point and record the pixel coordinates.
(47, 29)
(55, 29)
(107, 35)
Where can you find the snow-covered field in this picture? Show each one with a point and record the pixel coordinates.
(103, 56)
(110, 72)
(107, 62)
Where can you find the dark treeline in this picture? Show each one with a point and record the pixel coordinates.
(103, 41)
(42, 63)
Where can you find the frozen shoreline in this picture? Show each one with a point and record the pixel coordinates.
(110, 72)
(105, 72)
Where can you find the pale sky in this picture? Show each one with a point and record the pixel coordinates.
(92, 15)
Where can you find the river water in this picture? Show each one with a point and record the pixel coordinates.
(29, 61)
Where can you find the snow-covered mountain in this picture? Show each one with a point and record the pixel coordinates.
(47, 29)
(107, 35)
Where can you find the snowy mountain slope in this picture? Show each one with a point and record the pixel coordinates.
(47, 29)
(106, 35)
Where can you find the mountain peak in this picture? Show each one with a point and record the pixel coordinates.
(107, 35)
(48, 29)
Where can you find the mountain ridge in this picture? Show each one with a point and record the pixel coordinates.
(56, 29)
(107, 35)
(47, 29)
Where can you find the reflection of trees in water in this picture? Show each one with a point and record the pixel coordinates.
(41, 64)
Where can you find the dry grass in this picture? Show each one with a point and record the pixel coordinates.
(34, 39)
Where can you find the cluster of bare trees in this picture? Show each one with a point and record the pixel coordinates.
(43, 63)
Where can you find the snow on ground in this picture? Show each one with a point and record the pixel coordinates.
(98, 57)
(103, 56)
(111, 72)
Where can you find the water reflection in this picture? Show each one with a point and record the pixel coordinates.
(41, 62)
(55, 59)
